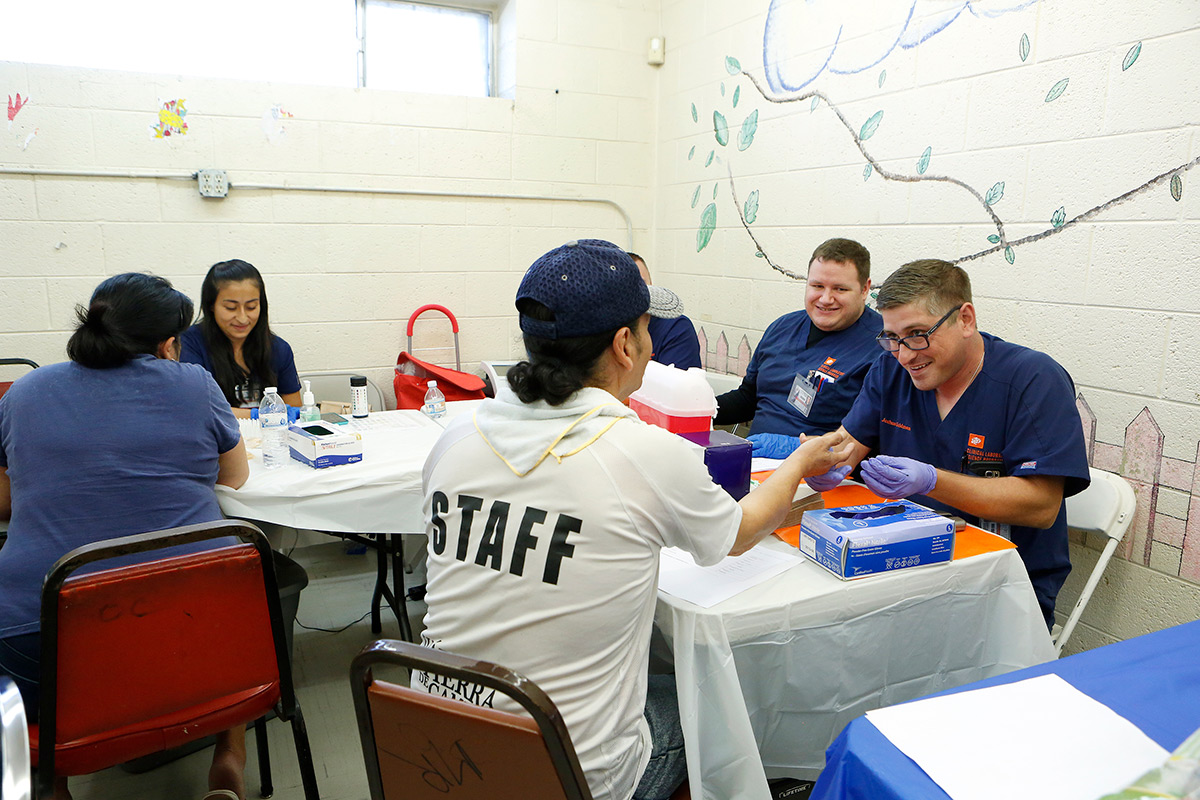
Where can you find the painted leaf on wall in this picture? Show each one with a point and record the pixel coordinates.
(923, 161)
(709, 160)
(1057, 89)
(995, 194)
(720, 128)
(749, 127)
(1024, 46)
(722, 88)
(737, 92)
(750, 208)
(1009, 256)
(732, 65)
(715, 187)
(882, 77)
(1131, 56)
(870, 126)
(1059, 217)
(695, 116)
(816, 101)
(1176, 186)
(696, 196)
(708, 222)
(993, 238)
(867, 171)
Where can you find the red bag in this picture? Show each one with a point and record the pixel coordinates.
(412, 374)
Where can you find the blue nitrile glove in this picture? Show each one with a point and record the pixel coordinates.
(293, 414)
(254, 413)
(892, 476)
(772, 445)
(823, 483)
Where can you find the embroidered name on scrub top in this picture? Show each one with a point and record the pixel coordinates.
(489, 543)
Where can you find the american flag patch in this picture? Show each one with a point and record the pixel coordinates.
(1028, 465)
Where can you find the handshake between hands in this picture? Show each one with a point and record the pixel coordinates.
(886, 476)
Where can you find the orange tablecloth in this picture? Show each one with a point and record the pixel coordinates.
(970, 541)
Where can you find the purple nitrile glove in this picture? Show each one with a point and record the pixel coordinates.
(893, 476)
(823, 483)
(772, 445)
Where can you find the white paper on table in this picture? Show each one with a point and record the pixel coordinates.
(760, 464)
(379, 420)
(679, 575)
(1039, 737)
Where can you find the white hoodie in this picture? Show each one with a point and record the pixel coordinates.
(565, 509)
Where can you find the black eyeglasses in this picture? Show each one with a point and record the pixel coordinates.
(917, 341)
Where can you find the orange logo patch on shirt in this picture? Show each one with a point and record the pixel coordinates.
(830, 360)
(975, 440)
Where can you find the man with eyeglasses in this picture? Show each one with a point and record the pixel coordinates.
(809, 365)
(967, 423)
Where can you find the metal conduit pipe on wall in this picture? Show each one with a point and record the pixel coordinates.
(65, 173)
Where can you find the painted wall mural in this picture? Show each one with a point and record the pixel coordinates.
(806, 42)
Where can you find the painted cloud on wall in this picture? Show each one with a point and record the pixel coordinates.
(861, 33)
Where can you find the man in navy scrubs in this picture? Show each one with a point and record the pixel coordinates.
(968, 423)
(809, 365)
(674, 340)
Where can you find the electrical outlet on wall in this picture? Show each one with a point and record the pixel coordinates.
(213, 182)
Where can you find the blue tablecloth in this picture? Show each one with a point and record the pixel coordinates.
(1152, 680)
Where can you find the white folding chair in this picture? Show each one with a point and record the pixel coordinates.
(1104, 507)
(15, 771)
(335, 386)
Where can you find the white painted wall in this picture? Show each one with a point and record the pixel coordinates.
(1113, 299)
(343, 271)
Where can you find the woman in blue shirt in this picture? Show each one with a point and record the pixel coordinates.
(121, 439)
(233, 339)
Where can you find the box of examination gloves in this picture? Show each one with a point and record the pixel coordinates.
(321, 445)
(854, 541)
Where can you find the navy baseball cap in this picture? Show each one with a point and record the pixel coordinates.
(590, 286)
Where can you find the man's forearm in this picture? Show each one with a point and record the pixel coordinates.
(1033, 501)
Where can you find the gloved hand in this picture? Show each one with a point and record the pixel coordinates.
(772, 445)
(292, 412)
(893, 476)
(823, 483)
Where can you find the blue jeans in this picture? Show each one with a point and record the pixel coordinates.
(668, 765)
(20, 657)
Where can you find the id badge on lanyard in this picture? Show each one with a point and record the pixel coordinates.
(804, 392)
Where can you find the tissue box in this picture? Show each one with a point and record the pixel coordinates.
(727, 458)
(320, 445)
(881, 537)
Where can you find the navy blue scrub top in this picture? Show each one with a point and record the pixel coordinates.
(845, 356)
(674, 341)
(1019, 410)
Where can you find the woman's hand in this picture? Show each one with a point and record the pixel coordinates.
(817, 455)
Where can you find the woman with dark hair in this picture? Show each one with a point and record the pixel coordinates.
(233, 339)
(121, 439)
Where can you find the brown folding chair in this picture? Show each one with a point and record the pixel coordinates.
(143, 658)
(419, 746)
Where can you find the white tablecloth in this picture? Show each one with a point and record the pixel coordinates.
(380, 494)
(781, 668)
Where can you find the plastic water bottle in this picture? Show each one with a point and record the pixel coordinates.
(272, 416)
(435, 402)
(308, 409)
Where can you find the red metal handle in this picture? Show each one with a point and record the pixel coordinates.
(430, 307)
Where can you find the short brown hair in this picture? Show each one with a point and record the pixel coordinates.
(938, 285)
(846, 251)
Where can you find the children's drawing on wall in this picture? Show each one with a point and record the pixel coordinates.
(23, 136)
(171, 119)
(273, 126)
(807, 40)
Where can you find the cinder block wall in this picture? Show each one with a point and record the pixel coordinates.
(1071, 104)
(343, 270)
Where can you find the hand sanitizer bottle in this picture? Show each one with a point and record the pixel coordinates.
(308, 409)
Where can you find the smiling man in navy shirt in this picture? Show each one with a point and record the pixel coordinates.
(809, 365)
(968, 423)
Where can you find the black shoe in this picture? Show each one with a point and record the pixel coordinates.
(789, 789)
(417, 593)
